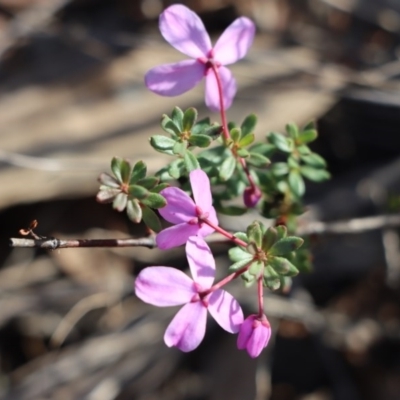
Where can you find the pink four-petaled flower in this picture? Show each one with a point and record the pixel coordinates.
(254, 335)
(184, 30)
(185, 213)
(165, 286)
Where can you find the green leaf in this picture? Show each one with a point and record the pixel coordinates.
(162, 144)
(307, 136)
(248, 125)
(214, 131)
(151, 219)
(314, 174)
(138, 192)
(116, 167)
(310, 125)
(256, 268)
(292, 130)
(134, 211)
(242, 236)
(154, 200)
(138, 172)
(191, 162)
(266, 149)
(285, 246)
(149, 183)
(240, 264)
(283, 266)
(159, 187)
(246, 140)
(107, 194)
(279, 169)
(231, 210)
(303, 150)
(296, 183)
(243, 153)
(314, 160)
(227, 168)
(254, 233)
(175, 169)
(271, 278)
(281, 142)
(177, 117)
(292, 162)
(120, 201)
(125, 171)
(270, 237)
(201, 126)
(189, 119)
(169, 126)
(179, 148)
(258, 160)
(248, 278)
(235, 133)
(238, 254)
(199, 140)
(281, 230)
(109, 181)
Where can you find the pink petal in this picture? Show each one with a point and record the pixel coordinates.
(235, 41)
(201, 261)
(228, 83)
(180, 206)
(185, 31)
(205, 229)
(188, 327)
(164, 286)
(201, 189)
(258, 340)
(245, 332)
(254, 335)
(174, 79)
(176, 235)
(225, 310)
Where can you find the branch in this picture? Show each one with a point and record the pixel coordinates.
(54, 243)
(355, 225)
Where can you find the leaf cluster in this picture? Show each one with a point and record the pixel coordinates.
(129, 188)
(269, 254)
(185, 134)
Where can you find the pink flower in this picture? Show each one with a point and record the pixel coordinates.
(166, 286)
(254, 335)
(251, 196)
(184, 30)
(184, 212)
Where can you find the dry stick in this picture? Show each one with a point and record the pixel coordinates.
(355, 225)
(53, 243)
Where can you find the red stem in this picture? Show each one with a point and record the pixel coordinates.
(260, 290)
(229, 235)
(226, 280)
(225, 130)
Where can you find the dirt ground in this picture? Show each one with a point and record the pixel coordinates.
(73, 96)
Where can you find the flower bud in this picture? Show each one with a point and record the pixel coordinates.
(254, 335)
(251, 196)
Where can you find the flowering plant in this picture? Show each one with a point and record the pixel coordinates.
(222, 162)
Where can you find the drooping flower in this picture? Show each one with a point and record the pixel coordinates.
(251, 196)
(165, 286)
(185, 213)
(254, 335)
(185, 31)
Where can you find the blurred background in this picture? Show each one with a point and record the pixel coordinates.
(72, 96)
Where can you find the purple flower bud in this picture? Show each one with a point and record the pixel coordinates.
(254, 335)
(251, 196)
